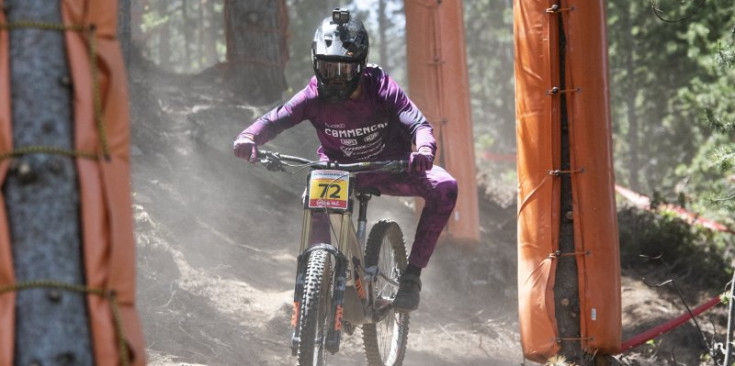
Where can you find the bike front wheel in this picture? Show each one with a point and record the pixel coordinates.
(385, 341)
(315, 310)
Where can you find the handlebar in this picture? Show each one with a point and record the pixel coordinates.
(276, 161)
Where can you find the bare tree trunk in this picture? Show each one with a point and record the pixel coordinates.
(42, 195)
(164, 35)
(633, 146)
(123, 28)
(138, 9)
(201, 31)
(382, 26)
(187, 34)
(566, 288)
(210, 36)
(256, 47)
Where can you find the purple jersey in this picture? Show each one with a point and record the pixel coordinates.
(379, 125)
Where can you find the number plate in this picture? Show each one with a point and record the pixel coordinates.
(329, 189)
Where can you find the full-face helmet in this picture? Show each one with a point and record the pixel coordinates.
(339, 53)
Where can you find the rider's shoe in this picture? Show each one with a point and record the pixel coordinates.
(348, 327)
(407, 298)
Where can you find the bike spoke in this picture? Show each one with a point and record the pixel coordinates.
(389, 280)
(385, 340)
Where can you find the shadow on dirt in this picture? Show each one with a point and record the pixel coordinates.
(217, 241)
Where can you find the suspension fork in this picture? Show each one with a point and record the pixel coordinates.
(334, 333)
(362, 218)
(298, 294)
(346, 235)
(365, 288)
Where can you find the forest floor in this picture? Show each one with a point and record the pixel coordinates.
(217, 243)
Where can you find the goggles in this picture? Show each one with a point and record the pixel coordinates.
(338, 70)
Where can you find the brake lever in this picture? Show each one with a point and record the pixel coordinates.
(396, 167)
(274, 165)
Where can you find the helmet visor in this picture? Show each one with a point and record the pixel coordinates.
(338, 71)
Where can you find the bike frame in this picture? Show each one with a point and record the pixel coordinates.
(353, 295)
(353, 289)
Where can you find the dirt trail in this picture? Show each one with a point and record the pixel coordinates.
(217, 241)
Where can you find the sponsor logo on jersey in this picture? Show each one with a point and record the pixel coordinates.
(364, 150)
(349, 142)
(371, 136)
(354, 132)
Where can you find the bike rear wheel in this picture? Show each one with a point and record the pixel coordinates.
(385, 341)
(315, 310)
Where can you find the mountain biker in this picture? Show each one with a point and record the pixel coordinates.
(361, 114)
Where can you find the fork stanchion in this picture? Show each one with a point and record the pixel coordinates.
(334, 334)
(297, 300)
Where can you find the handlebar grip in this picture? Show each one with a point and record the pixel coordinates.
(262, 154)
(276, 156)
(273, 160)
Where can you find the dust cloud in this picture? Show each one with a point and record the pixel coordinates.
(217, 242)
(218, 238)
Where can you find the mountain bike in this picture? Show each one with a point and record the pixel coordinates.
(353, 282)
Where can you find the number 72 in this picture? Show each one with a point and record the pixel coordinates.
(332, 189)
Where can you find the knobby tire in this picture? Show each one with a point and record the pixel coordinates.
(385, 342)
(315, 310)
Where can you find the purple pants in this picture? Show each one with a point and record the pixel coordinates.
(436, 187)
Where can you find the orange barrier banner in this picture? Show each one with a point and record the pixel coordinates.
(101, 125)
(439, 85)
(693, 218)
(538, 113)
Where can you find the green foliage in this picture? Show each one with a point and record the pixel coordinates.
(662, 243)
(490, 63)
(711, 170)
(306, 15)
(671, 83)
(489, 35)
(179, 36)
(151, 21)
(658, 73)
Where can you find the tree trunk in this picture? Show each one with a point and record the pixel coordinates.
(123, 28)
(42, 194)
(566, 288)
(201, 30)
(164, 35)
(210, 34)
(634, 163)
(187, 34)
(256, 48)
(383, 39)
